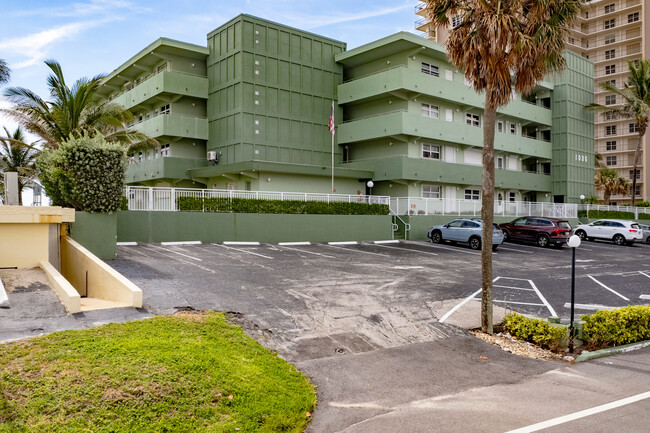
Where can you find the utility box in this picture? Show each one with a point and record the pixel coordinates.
(11, 188)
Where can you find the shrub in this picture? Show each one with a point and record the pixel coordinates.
(247, 205)
(643, 204)
(84, 173)
(608, 328)
(597, 214)
(535, 331)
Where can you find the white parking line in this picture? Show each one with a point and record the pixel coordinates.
(511, 287)
(308, 252)
(181, 243)
(344, 243)
(646, 297)
(643, 273)
(539, 294)
(588, 306)
(407, 249)
(395, 241)
(466, 300)
(501, 247)
(444, 247)
(244, 251)
(293, 243)
(611, 290)
(179, 253)
(356, 251)
(518, 303)
(240, 243)
(581, 414)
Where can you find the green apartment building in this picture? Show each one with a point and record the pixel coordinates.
(250, 112)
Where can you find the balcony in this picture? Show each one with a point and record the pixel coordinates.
(174, 125)
(162, 168)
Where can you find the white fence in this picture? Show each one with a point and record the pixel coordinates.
(442, 206)
(166, 199)
(635, 210)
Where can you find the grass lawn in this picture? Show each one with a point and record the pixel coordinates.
(181, 373)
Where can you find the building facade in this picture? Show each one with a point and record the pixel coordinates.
(255, 105)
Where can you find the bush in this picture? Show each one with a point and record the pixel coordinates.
(608, 328)
(535, 331)
(247, 205)
(84, 173)
(597, 214)
(643, 204)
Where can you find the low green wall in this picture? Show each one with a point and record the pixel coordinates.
(97, 232)
(143, 226)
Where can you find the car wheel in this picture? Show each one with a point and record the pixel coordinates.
(506, 235)
(475, 243)
(581, 234)
(647, 241)
(436, 237)
(543, 241)
(619, 239)
(494, 247)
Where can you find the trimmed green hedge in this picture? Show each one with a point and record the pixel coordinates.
(608, 328)
(536, 331)
(247, 205)
(597, 214)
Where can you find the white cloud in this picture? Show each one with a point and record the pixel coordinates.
(79, 9)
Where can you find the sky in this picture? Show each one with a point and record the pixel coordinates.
(91, 37)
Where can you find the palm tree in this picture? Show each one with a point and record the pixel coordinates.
(609, 182)
(4, 72)
(72, 112)
(18, 156)
(501, 44)
(635, 96)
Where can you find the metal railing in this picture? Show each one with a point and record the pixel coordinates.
(460, 207)
(166, 199)
(635, 210)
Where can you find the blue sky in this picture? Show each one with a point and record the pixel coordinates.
(90, 37)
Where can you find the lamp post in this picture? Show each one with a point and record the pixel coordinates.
(370, 184)
(574, 242)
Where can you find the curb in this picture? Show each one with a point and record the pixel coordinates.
(181, 243)
(588, 356)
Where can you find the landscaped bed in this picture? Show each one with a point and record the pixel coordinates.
(191, 372)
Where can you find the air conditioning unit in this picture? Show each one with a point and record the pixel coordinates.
(213, 156)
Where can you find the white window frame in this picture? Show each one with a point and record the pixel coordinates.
(431, 191)
(472, 194)
(632, 18)
(609, 24)
(610, 8)
(456, 21)
(473, 119)
(500, 162)
(610, 39)
(164, 150)
(512, 196)
(610, 145)
(500, 126)
(610, 160)
(610, 130)
(513, 128)
(430, 69)
(165, 109)
(610, 99)
(638, 174)
(610, 69)
(633, 128)
(610, 54)
(431, 111)
(433, 151)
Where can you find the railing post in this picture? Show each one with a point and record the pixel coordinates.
(173, 199)
(150, 198)
(202, 200)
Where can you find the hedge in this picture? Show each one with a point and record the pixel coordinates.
(536, 331)
(608, 328)
(597, 214)
(247, 205)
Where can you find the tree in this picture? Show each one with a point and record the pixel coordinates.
(72, 112)
(501, 44)
(609, 182)
(4, 72)
(635, 96)
(20, 157)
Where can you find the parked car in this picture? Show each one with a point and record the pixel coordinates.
(646, 232)
(618, 231)
(468, 231)
(540, 230)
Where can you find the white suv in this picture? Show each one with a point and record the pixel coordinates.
(618, 231)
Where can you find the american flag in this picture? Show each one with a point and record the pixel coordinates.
(332, 119)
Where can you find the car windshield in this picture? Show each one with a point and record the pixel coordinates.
(564, 225)
(635, 226)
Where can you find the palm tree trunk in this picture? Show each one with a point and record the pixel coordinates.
(637, 152)
(487, 215)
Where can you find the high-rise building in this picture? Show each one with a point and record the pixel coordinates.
(609, 33)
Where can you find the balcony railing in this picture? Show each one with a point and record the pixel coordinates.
(447, 206)
(166, 199)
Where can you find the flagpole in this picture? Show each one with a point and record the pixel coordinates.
(332, 162)
(332, 129)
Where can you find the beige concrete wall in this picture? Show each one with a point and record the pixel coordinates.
(67, 294)
(94, 278)
(23, 245)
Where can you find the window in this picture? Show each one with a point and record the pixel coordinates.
(165, 109)
(431, 191)
(500, 126)
(500, 162)
(610, 145)
(140, 157)
(473, 119)
(610, 54)
(610, 69)
(610, 116)
(430, 151)
(637, 190)
(520, 222)
(164, 150)
(429, 110)
(634, 128)
(610, 39)
(163, 67)
(472, 194)
(610, 99)
(430, 69)
(610, 130)
(513, 128)
(140, 118)
(612, 83)
(455, 21)
(512, 196)
(610, 24)
(638, 174)
(572, 41)
(611, 160)
(610, 8)
(632, 18)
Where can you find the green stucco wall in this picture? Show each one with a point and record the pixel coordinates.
(136, 226)
(96, 232)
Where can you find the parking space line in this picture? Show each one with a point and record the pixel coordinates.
(356, 251)
(581, 414)
(343, 243)
(466, 300)
(181, 243)
(244, 251)
(294, 243)
(179, 253)
(511, 287)
(611, 290)
(501, 247)
(588, 306)
(646, 297)
(445, 247)
(307, 252)
(408, 249)
(543, 299)
(153, 248)
(643, 273)
(518, 303)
